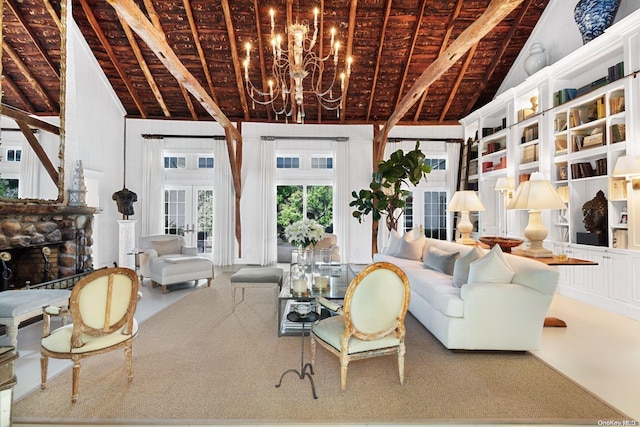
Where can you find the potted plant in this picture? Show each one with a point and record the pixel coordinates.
(386, 195)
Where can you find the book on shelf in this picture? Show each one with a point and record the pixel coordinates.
(524, 177)
(530, 133)
(577, 142)
(616, 104)
(564, 95)
(616, 72)
(561, 145)
(560, 124)
(525, 113)
(487, 166)
(618, 132)
(530, 153)
(601, 166)
(592, 140)
(602, 81)
(617, 189)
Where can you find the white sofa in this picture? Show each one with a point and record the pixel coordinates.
(489, 312)
(166, 260)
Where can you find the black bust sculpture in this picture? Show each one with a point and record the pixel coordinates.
(595, 214)
(125, 198)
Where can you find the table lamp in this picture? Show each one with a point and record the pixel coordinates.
(628, 167)
(464, 202)
(535, 195)
(505, 185)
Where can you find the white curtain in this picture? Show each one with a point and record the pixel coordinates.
(341, 195)
(267, 204)
(453, 164)
(224, 239)
(29, 183)
(152, 186)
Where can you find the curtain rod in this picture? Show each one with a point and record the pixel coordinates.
(447, 140)
(168, 136)
(307, 138)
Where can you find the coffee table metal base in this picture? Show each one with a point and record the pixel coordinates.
(293, 317)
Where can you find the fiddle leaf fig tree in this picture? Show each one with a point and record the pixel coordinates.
(386, 195)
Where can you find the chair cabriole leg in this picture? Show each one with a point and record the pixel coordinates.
(44, 365)
(75, 380)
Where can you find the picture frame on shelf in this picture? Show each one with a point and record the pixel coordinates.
(624, 218)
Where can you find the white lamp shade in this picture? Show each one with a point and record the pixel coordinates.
(627, 166)
(536, 193)
(505, 183)
(465, 201)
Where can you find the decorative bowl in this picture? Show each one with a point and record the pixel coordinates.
(302, 310)
(505, 243)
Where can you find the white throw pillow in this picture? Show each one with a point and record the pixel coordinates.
(491, 268)
(440, 260)
(394, 243)
(411, 249)
(166, 247)
(462, 264)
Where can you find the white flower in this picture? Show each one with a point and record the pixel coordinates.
(306, 232)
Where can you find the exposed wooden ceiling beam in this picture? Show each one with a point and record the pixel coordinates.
(196, 39)
(104, 41)
(156, 41)
(353, 9)
(263, 67)
(134, 17)
(38, 150)
(187, 99)
(54, 15)
(492, 16)
(34, 38)
(234, 57)
(414, 40)
(456, 84)
(17, 115)
(155, 20)
(11, 85)
(376, 72)
(26, 73)
(443, 46)
(498, 55)
(144, 67)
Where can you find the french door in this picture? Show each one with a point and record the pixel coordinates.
(188, 211)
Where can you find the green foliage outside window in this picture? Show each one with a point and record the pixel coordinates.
(9, 188)
(290, 205)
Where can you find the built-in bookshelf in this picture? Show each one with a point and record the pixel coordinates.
(572, 121)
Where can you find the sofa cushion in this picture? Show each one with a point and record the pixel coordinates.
(165, 247)
(394, 243)
(491, 268)
(411, 248)
(440, 260)
(437, 289)
(404, 264)
(462, 264)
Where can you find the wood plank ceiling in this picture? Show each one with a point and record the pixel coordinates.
(392, 43)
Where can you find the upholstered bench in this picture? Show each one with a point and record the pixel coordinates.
(19, 306)
(172, 269)
(256, 277)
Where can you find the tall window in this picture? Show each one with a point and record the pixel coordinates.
(304, 180)
(435, 214)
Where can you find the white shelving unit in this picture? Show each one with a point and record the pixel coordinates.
(571, 121)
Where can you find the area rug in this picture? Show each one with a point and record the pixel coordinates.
(197, 362)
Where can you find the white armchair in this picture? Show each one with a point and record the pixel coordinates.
(166, 260)
(154, 246)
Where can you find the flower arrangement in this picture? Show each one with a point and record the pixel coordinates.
(304, 233)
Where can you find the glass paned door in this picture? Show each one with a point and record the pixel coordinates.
(188, 211)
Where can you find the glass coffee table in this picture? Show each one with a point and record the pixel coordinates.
(341, 276)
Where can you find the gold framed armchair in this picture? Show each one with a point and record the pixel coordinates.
(102, 306)
(371, 323)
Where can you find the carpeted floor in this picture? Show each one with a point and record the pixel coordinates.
(197, 362)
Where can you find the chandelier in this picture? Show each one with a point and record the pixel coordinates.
(291, 66)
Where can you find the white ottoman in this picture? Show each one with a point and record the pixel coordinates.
(168, 270)
(18, 306)
(257, 277)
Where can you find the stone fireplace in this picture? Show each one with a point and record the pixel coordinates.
(44, 241)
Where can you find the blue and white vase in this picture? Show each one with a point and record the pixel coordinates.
(594, 16)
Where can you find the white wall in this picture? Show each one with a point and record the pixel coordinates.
(94, 134)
